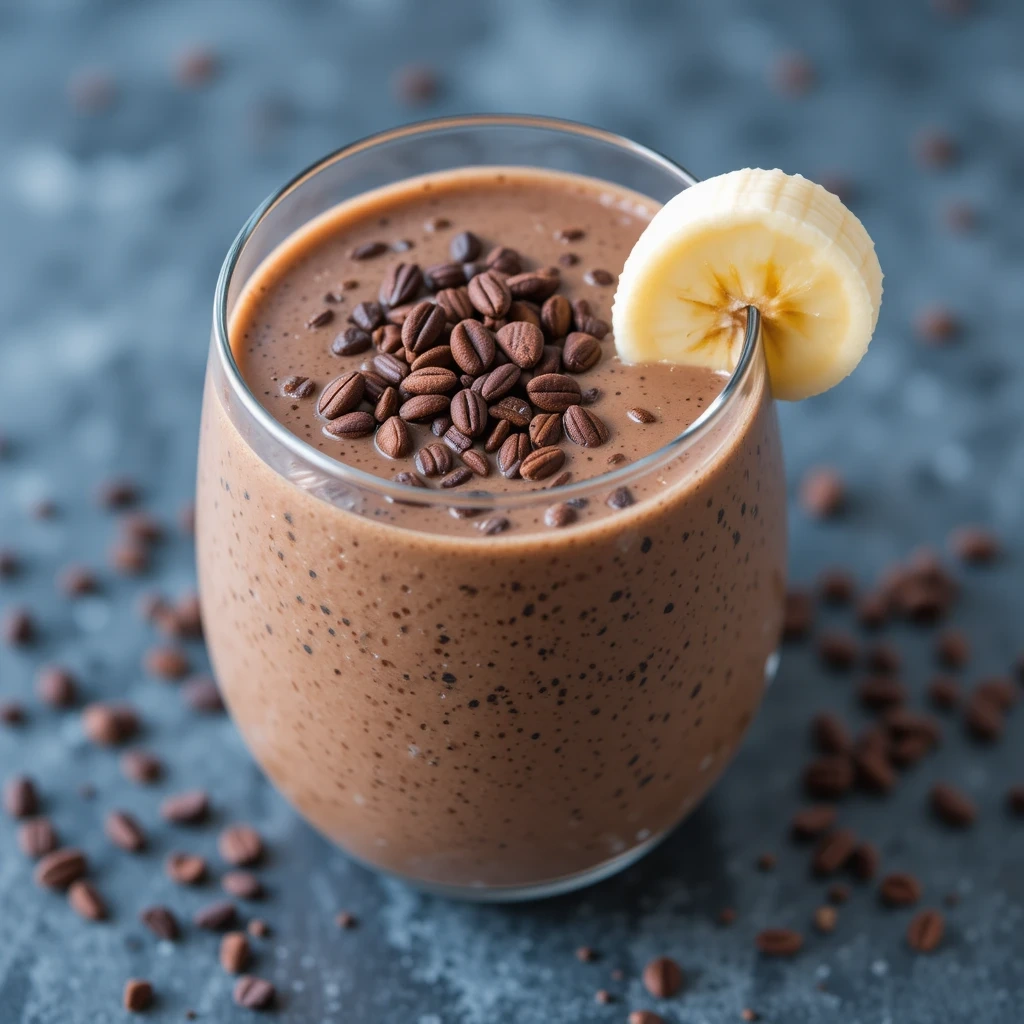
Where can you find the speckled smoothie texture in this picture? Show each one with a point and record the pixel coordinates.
(495, 711)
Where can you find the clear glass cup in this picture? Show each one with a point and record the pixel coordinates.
(489, 717)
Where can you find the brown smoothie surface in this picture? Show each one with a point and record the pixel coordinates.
(305, 295)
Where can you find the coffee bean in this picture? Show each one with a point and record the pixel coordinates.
(140, 766)
(464, 247)
(20, 797)
(779, 942)
(18, 628)
(489, 294)
(215, 917)
(387, 405)
(830, 734)
(581, 352)
(545, 429)
(57, 870)
(554, 392)
(899, 889)
(351, 341)
(999, 691)
(367, 250)
(185, 868)
(109, 724)
(434, 460)
(497, 437)
(952, 805)
(368, 315)
(952, 648)
(825, 919)
(1015, 800)
(944, 692)
(342, 395)
(594, 326)
(925, 931)
(469, 413)
(882, 692)
(455, 304)
(837, 650)
(599, 277)
(444, 275)
(556, 316)
(432, 380)
(645, 1017)
(663, 977)
(388, 339)
(550, 361)
(511, 455)
(138, 995)
(974, 545)
(498, 383)
(185, 808)
(423, 407)
(252, 993)
(811, 822)
(584, 427)
(10, 564)
(457, 440)
(566, 235)
(504, 260)
(473, 346)
(169, 663)
(351, 425)
(829, 777)
(235, 954)
(901, 723)
(620, 498)
(833, 851)
(401, 284)
(243, 884)
(397, 314)
(320, 319)
(984, 719)
(36, 837)
(864, 861)
(77, 580)
(393, 438)
(562, 514)
(240, 845)
(422, 328)
(161, 922)
(457, 477)
(390, 367)
(823, 493)
(258, 929)
(515, 410)
(541, 463)
(124, 831)
(438, 356)
(493, 525)
(523, 311)
(533, 285)
(874, 772)
(86, 901)
(477, 462)
(638, 415)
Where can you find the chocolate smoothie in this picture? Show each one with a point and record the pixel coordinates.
(483, 698)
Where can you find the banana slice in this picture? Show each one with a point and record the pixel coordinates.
(752, 237)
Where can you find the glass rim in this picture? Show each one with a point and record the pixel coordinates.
(477, 498)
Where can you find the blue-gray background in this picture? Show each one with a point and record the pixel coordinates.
(112, 227)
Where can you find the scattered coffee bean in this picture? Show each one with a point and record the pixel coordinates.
(829, 777)
(109, 724)
(138, 995)
(166, 663)
(18, 628)
(36, 837)
(240, 845)
(124, 831)
(974, 545)
(243, 884)
(253, 993)
(984, 719)
(881, 692)
(900, 889)
(925, 931)
(952, 805)
(541, 463)
(477, 462)
(161, 922)
(560, 515)
(830, 734)
(393, 438)
(812, 822)
(620, 498)
(457, 440)
(235, 953)
(86, 901)
(779, 942)
(186, 808)
(258, 929)
(141, 767)
(825, 919)
(489, 294)
(663, 978)
(350, 342)
(584, 427)
(823, 493)
(77, 580)
(20, 797)
(638, 415)
(837, 650)
(952, 648)
(215, 917)
(522, 342)
(944, 692)
(511, 455)
(581, 352)
(202, 695)
(469, 413)
(838, 893)
(833, 852)
(554, 392)
(493, 525)
(185, 868)
(645, 1017)
(464, 247)
(401, 285)
(320, 319)
(57, 870)
(504, 260)
(457, 477)
(351, 425)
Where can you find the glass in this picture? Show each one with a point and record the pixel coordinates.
(489, 717)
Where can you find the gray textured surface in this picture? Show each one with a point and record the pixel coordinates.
(112, 230)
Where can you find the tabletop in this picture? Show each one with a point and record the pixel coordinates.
(134, 141)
